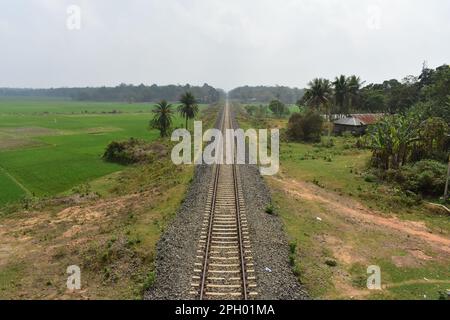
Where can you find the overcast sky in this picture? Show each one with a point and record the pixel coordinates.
(226, 43)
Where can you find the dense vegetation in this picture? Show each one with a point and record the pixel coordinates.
(305, 127)
(411, 150)
(265, 94)
(121, 93)
(428, 91)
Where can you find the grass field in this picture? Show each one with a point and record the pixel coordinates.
(50, 146)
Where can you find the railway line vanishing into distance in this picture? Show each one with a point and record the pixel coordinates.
(224, 267)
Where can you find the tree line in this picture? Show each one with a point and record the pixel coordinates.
(265, 94)
(122, 93)
(429, 90)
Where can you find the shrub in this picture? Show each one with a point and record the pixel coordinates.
(307, 127)
(293, 247)
(270, 209)
(82, 189)
(133, 151)
(278, 108)
(331, 262)
(370, 178)
(426, 177)
(148, 281)
(251, 109)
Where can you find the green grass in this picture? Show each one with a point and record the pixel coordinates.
(339, 168)
(10, 190)
(35, 105)
(51, 146)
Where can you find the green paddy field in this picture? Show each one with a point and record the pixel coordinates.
(48, 146)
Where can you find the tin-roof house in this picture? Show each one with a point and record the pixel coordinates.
(355, 123)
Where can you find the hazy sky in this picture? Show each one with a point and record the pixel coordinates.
(226, 43)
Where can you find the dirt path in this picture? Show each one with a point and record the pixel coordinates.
(348, 207)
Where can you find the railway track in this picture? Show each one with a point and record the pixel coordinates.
(224, 266)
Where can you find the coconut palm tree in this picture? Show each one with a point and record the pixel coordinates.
(162, 118)
(354, 87)
(188, 108)
(319, 93)
(341, 92)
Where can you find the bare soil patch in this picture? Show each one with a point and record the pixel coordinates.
(361, 214)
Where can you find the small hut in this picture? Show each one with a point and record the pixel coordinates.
(356, 124)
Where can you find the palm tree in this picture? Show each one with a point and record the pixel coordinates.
(188, 108)
(341, 92)
(319, 92)
(319, 95)
(162, 119)
(354, 86)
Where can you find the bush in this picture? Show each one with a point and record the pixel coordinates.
(270, 209)
(292, 247)
(331, 262)
(426, 177)
(370, 178)
(148, 281)
(307, 127)
(278, 108)
(133, 151)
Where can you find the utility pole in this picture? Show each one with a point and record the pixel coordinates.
(447, 181)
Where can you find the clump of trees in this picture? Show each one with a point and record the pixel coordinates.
(401, 139)
(278, 108)
(305, 127)
(343, 95)
(411, 150)
(430, 89)
(429, 92)
(265, 94)
(163, 113)
(259, 112)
